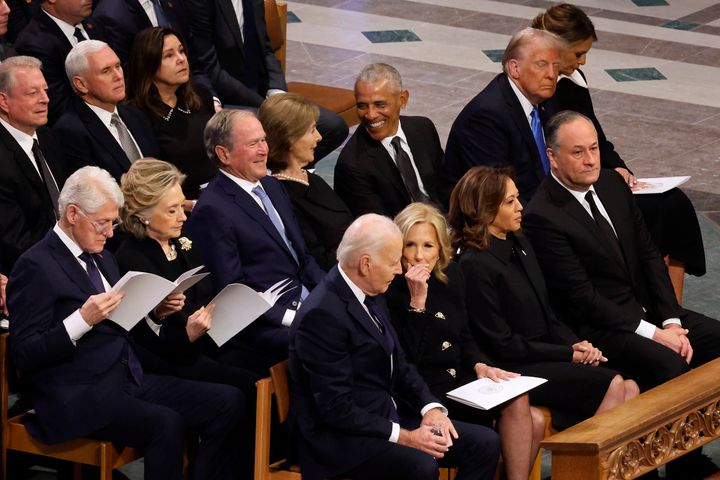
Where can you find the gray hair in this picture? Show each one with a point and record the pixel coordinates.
(219, 131)
(11, 65)
(552, 129)
(365, 236)
(517, 47)
(381, 72)
(89, 188)
(76, 62)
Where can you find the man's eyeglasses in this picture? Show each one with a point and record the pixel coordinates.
(101, 228)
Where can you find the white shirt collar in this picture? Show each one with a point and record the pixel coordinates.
(69, 242)
(386, 142)
(241, 182)
(104, 116)
(580, 196)
(23, 139)
(524, 102)
(67, 29)
(576, 78)
(357, 291)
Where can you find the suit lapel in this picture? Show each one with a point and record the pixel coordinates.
(611, 203)
(535, 276)
(228, 13)
(24, 164)
(384, 165)
(70, 265)
(421, 156)
(102, 135)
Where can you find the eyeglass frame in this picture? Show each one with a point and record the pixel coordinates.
(99, 229)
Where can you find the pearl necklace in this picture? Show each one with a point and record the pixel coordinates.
(294, 179)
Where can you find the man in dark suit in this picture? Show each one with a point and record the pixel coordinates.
(31, 162)
(230, 41)
(5, 49)
(97, 129)
(247, 232)
(391, 160)
(80, 369)
(49, 36)
(360, 408)
(502, 125)
(606, 278)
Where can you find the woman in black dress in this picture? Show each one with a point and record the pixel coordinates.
(509, 309)
(171, 340)
(289, 121)
(428, 310)
(670, 216)
(158, 83)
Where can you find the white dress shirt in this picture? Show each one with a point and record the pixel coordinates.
(106, 117)
(26, 143)
(387, 143)
(68, 30)
(147, 5)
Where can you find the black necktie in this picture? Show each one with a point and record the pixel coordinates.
(604, 226)
(93, 272)
(380, 321)
(46, 176)
(407, 172)
(78, 34)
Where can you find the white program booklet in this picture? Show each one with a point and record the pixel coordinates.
(659, 184)
(144, 291)
(485, 394)
(238, 305)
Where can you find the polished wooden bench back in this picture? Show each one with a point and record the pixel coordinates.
(658, 426)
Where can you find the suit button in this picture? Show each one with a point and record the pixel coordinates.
(446, 345)
(294, 303)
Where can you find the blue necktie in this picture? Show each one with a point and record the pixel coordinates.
(270, 210)
(537, 131)
(380, 320)
(160, 14)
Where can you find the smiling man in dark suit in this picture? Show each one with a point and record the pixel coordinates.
(80, 369)
(53, 31)
(391, 160)
(502, 125)
(605, 276)
(361, 409)
(247, 233)
(32, 167)
(97, 129)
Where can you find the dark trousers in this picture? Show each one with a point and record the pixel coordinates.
(156, 416)
(650, 363)
(475, 453)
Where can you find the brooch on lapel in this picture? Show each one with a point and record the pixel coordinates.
(440, 316)
(185, 243)
(452, 372)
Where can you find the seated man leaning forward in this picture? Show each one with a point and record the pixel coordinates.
(604, 274)
(357, 401)
(79, 368)
(247, 233)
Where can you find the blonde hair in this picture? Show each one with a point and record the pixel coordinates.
(144, 184)
(417, 213)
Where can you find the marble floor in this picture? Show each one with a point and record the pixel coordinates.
(654, 75)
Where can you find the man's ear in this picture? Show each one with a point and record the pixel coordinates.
(513, 68)
(222, 154)
(4, 103)
(364, 265)
(404, 97)
(80, 85)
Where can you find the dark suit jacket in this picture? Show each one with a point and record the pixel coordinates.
(511, 317)
(216, 42)
(6, 51)
(27, 210)
(571, 96)
(44, 40)
(493, 130)
(368, 180)
(342, 381)
(73, 388)
(21, 11)
(87, 141)
(240, 244)
(589, 285)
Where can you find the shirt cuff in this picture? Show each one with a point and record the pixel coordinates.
(645, 329)
(273, 91)
(155, 327)
(76, 326)
(395, 434)
(288, 317)
(672, 321)
(432, 405)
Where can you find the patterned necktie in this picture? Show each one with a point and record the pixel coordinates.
(604, 226)
(126, 141)
(380, 321)
(46, 176)
(78, 34)
(407, 173)
(537, 131)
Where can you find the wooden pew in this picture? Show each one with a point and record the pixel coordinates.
(660, 425)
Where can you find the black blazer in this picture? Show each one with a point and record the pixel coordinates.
(6, 51)
(21, 11)
(74, 388)
(343, 381)
(439, 342)
(493, 130)
(368, 180)
(589, 285)
(27, 210)
(44, 40)
(511, 317)
(216, 43)
(322, 216)
(571, 96)
(87, 141)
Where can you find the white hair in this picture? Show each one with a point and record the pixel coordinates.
(367, 235)
(76, 62)
(89, 188)
(381, 72)
(9, 66)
